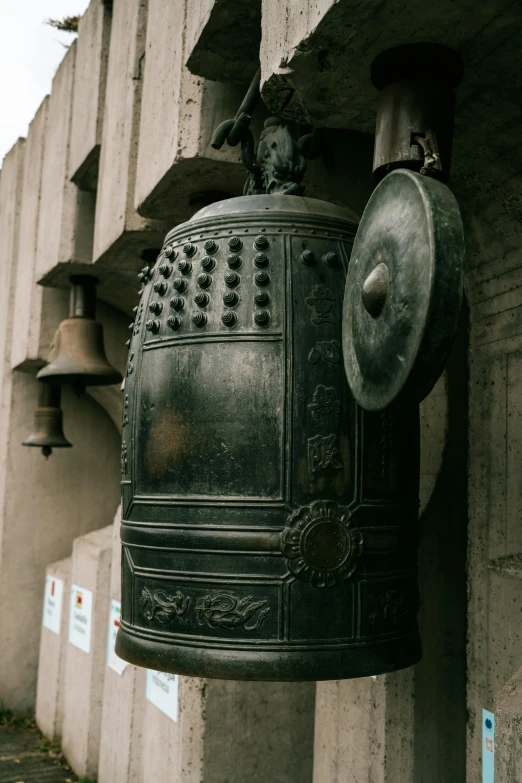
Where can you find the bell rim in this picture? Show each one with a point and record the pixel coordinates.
(195, 660)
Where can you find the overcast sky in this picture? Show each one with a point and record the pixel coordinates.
(30, 52)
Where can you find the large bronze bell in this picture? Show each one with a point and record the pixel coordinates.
(269, 524)
(48, 421)
(79, 358)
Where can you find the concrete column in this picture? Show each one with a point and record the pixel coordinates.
(121, 236)
(85, 668)
(229, 732)
(90, 79)
(123, 701)
(508, 731)
(50, 691)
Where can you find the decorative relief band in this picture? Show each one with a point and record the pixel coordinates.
(218, 611)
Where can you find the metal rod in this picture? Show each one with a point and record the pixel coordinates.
(82, 300)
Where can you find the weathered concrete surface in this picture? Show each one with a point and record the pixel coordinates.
(123, 701)
(28, 298)
(508, 731)
(176, 163)
(229, 732)
(223, 38)
(85, 672)
(316, 56)
(90, 79)
(50, 690)
(58, 196)
(490, 200)
(35, 529)
(381, 729)
(11, 182)
(121, 236)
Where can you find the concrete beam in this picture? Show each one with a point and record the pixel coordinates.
(121, 236)
(90, 78)
(223, 39)
(50, 690)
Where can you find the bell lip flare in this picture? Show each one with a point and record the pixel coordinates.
(343, 662)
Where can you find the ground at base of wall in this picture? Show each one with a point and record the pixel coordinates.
(26, 756)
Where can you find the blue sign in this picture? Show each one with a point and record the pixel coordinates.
(488, 746)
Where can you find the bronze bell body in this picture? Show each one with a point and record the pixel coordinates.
(48, 421)
(79, 358)
(269, 523)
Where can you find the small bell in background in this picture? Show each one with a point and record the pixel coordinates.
(79, 358)
(48, 421)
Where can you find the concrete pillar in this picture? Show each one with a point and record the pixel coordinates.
(90, 78)
(121, 236)
(176, 164)
(508, 731)
(123, 701)
(50, 691)
(86, 657)
(229, 732)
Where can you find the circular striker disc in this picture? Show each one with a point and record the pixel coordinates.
(403, 291)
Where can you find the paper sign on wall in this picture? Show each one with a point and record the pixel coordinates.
(80, 618)
(162, 691)
(113, 661)
(488, 746)
(52, 608)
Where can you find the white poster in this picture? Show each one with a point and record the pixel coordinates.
(113, 661)
(52, 609)
(162, 691)
(80, 618)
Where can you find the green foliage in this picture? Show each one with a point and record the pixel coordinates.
(69, 24)
(10, 720)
